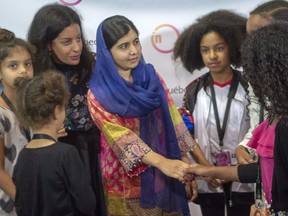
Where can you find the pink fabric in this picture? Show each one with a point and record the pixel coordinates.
(263, 141)
(267, 166)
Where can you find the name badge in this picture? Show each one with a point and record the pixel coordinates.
(222, 158)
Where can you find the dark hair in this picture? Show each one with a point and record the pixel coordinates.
(265, 65)
(230, 17)
(115, 27)
(47, 24)
(8, 41)
(38, 97)
(269, 6)
(279, 14)
(187, 46)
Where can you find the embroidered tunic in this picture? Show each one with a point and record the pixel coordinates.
(122, 150)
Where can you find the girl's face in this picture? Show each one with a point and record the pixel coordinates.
(215, 52)
(17, 64)
(67, 47)
(127, 52)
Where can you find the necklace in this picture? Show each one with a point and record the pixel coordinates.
(43, 136)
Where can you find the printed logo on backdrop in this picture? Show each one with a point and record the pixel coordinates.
(176, 90)
(164, 37)
(70, 2)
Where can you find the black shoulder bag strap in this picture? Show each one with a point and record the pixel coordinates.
(221, 130)
(12, 108)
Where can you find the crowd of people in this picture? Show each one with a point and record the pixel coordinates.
(97, 133)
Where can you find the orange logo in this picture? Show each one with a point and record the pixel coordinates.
(164, 37)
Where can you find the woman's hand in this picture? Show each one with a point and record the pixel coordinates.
(172, 168)
(175, 169)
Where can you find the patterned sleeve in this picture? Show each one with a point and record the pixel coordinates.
(185, 141)
(126, 145)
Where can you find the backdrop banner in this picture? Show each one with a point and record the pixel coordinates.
(159, 23)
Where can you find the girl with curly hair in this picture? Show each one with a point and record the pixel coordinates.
(266, 67)
(50, 177)
(262, 15)
(216, 100)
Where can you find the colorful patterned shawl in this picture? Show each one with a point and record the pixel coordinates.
(140, 99)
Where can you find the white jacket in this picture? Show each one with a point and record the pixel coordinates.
(237, 126)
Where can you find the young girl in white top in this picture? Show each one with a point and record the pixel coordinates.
(15, 62)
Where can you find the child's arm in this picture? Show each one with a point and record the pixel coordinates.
(6, 182)
(229, 173)
(245, 173)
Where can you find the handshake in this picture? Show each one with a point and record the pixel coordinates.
(226, 173)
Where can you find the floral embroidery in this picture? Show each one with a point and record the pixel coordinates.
(77, 114)
(132, 155)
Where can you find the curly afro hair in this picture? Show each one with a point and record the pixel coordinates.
(265, 64)
(231, 26)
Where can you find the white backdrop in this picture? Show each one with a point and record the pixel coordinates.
(159, 22)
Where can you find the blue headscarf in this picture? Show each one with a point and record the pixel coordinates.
(140, 99)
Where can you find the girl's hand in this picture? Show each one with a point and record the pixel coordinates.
(214, 183)
(191, 190)
(62, 132)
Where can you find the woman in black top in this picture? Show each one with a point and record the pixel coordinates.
(57, 34)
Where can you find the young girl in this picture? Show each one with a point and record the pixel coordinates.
(15, 62)
(266, 66)
(144, 136)
(218, 103)
(49, 176)
(260, 16)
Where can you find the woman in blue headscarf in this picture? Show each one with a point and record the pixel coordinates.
(141, 128)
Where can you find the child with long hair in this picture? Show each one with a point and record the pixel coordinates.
(265, 66)
(261, 16)
(15, 62)
(218, 102)
(49, 175)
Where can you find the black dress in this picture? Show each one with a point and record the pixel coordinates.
(82, 132)
(280, 174)
(52, 180)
